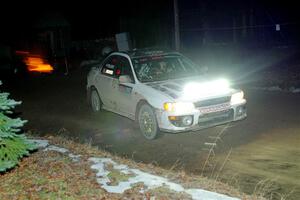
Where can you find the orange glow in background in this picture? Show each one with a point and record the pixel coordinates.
(37, 64)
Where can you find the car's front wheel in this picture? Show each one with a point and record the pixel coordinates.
(96, 103)
(147, 122)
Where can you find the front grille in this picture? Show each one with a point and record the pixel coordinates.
(215, 118)
(210, 102)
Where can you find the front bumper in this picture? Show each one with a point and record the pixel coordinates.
(202, 120)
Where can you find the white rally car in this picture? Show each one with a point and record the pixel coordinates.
(162, 91)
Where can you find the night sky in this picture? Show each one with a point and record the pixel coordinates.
(88, 19)
(97, 19)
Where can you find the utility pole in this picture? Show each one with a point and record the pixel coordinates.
(176, 25)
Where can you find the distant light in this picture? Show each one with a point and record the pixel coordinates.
(37, 64)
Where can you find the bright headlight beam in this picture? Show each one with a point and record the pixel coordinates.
(196, 90)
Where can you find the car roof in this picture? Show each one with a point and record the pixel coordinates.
(148, 52)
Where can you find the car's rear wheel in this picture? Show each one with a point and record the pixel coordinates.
(147, 122)
(96, 103)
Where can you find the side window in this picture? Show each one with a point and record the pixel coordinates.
(109, 67)
(125, 68)
(115, 66)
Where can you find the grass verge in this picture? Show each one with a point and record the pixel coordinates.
(53, 175)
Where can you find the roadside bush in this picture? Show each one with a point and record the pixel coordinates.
(13, 146)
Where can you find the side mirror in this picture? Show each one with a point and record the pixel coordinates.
(125, 79)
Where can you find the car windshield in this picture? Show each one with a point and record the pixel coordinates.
(159, 68)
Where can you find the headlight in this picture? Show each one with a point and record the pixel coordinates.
(179, 107)
(237, 98)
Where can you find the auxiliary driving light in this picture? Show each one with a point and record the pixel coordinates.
(187, 120)
(182, 121)
(196, 90)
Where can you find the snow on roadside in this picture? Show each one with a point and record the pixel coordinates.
(199, 194)
(277, 88)
(40, 143)
(150, 181)
(75, 158)
(45, 145)
(56, 148)
(295, 90)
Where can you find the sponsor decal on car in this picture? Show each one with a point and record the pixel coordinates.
(215, 108)
(164, 90)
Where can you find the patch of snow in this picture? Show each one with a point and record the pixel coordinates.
(56, 148)
(150, 181)
(121, 167)
(274, 88)
(75, 158)
(40, 143)
(277, 88)
(199, 194)
(294, 90)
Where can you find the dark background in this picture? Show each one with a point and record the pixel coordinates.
(91, 20)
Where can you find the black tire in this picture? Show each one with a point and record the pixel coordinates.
(95, 101)
(147, 122)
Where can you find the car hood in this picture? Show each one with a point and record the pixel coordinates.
(176, 89)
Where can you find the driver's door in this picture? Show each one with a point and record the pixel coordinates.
(106, 80)
(124, 92)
